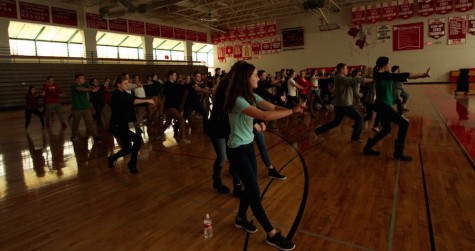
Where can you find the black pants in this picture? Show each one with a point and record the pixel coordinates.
(125, 138)
(340, 112)
(243, 158)
(387, 115)
(196, 106)
(35, 111)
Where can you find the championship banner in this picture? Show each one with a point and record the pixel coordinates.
(256, 47)
(457, 30)
(191, 35)
(136, 27)
(166, 31)
(405, 9)
(179, 33)
(34, 12)
(241, 33)
(64, 16)
(271, 27)
(266, 46)
(232, 36)
(276, 46)
(358, 15)
(215, 37)
(443, 6)
(373, 13)
(118, 24)
(251, 31)
(261, 29)
(221, 54)
(426, 7)
(202, 37)
(246, 51)
(436, 28)
(8, 9)
(389, 10)
(222, 37)
(229, 51)
(471, 24)
(237, 51)
(152, 29)
(463, 5)
(408, 37)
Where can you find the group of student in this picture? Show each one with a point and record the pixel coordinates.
(242, 104)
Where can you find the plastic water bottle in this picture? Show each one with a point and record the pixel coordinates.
(207, 227)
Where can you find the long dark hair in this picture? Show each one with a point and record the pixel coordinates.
(380, 62)
(239, 86)
(222, 86)
(28, 91)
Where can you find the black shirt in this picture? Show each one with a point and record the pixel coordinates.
(122, 106)
(173, 94)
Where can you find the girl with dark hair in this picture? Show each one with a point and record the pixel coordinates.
(123, 112)
(240, 103)
(31, 107)
(384, 81)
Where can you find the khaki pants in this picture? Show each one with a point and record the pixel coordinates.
(173, 113)
(87, 116)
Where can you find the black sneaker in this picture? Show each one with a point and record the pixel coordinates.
(246, 225)
(133, 168)
(370, 152)
(273, 174)
(220, 187)
(280, 242)
(111, 161)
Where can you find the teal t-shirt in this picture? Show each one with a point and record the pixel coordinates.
(384, 82)
(80, 99)
(241, 124)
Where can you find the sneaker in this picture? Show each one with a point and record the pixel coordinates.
(74, 138)
(273, 174)
(375, 129)
(220, 187)
(183, 141)
(280, 242)
(111, 161)
(405, 118)
(370, 152)
(246, 225)
(132, 168)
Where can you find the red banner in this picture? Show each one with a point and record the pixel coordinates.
(443, 6)
(166, 31)
(202, 37)
(471, 24)
(266, 46)
(229, 51)
(276, 45)
(261, 29)
(221, 54)
(251, 31)
(389, 10)
(358, 15)
(222, 37)
(136, 27)
(405, 9)
(463, 5)
(237, 51)
(232, 35)
(34, 12)
(457, 30)
(119, 24)
(256, 47)
(8, 9)
(271, 27)
(426, 7)
(215, 37)
(191, 35)
(180, 33)
(241, 33)
(152, 29)
(408, 37)
(436, 28)
(373, 13)
(95, 21)
(246, 51)
(64, 16)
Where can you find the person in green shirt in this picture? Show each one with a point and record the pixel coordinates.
(80, 107)
(384, 81)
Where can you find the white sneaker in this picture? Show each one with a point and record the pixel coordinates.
(405, 118)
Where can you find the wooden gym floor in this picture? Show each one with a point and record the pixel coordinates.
(59, 195)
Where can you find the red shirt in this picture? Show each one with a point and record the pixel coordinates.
(52, 93)
(32, 102)
(305, 83)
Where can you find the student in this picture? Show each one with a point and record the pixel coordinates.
(123, 112)
(384, 81)
(398, 91)
(52, 93)
(31, 107)
(240, 103)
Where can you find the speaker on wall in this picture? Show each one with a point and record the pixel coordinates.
(313, 4)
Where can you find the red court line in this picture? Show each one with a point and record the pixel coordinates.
(457, 117)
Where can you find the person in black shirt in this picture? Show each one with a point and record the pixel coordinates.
(123, 112)
(195, 90)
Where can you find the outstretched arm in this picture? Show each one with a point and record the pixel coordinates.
(420, 75)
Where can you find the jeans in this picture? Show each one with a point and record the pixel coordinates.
(387, 115)
(35, 111)
(340, 112)
(87, 116)
(261, 144)
(219, 145)
(244, 159)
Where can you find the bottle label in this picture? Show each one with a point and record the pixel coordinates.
(207, 226)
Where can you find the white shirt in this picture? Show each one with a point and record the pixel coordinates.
(291, 87)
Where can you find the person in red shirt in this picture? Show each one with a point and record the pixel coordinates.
(31, 107)
(52, 93)
(305, 92)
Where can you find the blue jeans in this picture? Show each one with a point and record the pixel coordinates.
(219, 145)
(244, 159)
(261, 144)
(340, 112)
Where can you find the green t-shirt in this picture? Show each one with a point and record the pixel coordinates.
(241, 124)
(80, 99)
(384, 85)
